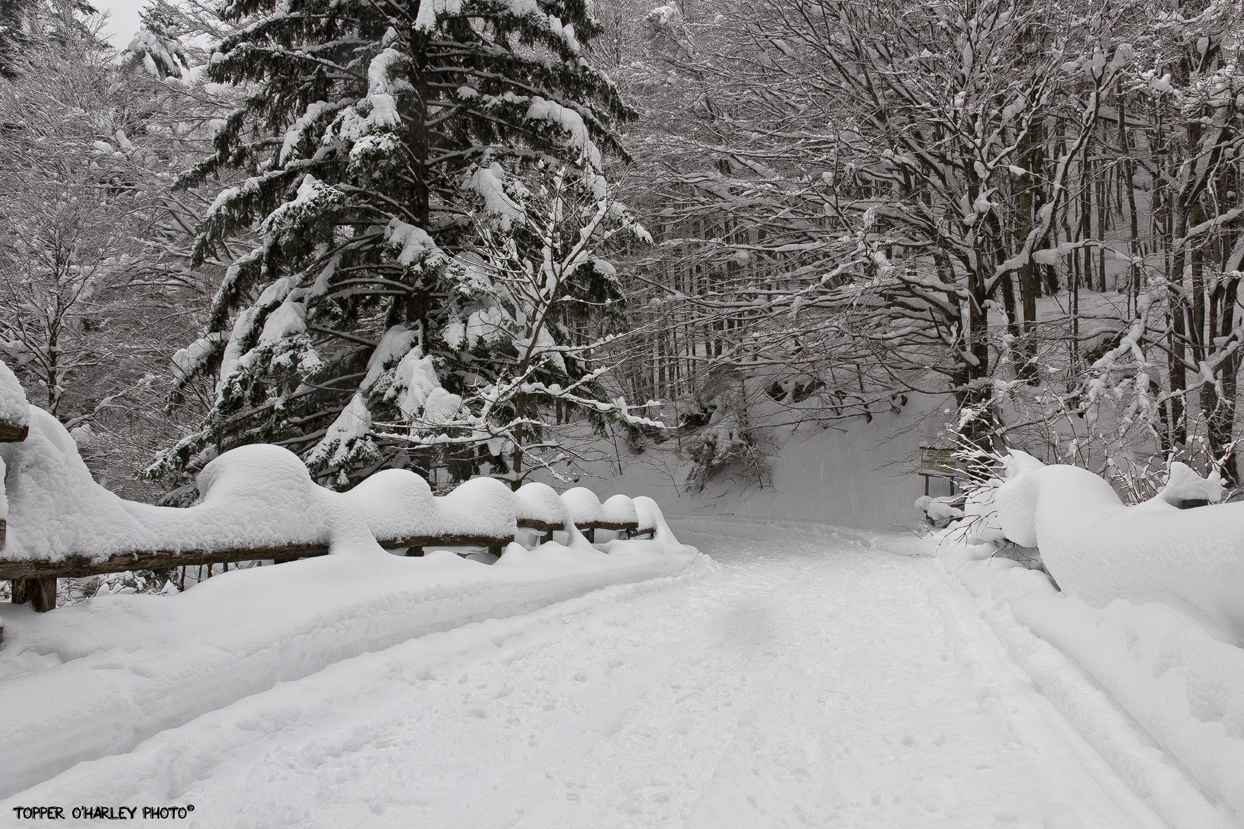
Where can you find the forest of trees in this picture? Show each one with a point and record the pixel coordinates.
(464, 237)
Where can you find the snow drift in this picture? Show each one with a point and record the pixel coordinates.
(1099, 550)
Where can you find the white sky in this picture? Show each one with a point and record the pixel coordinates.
(122, 20)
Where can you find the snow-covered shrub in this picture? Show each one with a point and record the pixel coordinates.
(721, 439)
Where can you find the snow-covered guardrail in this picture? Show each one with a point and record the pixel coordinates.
(255, 503)
(1100, 550)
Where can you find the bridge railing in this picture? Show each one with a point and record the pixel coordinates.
(257, 503)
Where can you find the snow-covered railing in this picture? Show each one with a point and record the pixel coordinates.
(14, 426)
(256, 503)
(1100, 550)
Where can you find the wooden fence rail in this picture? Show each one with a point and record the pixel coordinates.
(35, 580)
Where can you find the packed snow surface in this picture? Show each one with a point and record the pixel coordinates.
(98, 678)
(797, 678)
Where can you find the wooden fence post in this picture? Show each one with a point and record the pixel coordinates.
(39, 591)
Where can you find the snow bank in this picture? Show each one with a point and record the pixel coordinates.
(1099, 550)
(1182, 686)
(99, 678)
(1151, 608)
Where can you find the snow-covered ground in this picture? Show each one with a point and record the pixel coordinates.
(799, 678)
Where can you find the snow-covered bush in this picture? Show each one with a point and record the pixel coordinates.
(720, 438)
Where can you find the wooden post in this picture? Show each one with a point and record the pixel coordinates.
(39, 591)
(495, 549)
(590, 534)
(43, 594)
(414, 551)
(12, 433)
(547, 537)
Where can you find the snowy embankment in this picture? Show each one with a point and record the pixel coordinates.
(1148, 600)
(98, 678)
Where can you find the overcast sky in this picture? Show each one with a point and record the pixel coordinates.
(122, 19)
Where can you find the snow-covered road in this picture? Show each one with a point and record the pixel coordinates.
(801, 681)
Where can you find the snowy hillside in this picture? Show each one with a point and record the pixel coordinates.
(857, 474)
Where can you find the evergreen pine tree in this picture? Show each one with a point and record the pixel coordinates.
(404, 160)
(156, 45)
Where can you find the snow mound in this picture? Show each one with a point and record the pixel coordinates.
(1100, 551)
(540, 502)
(13, 406)
(55, 508)
(583, 504)
(619, 509)
(396, 503)
(480, 506)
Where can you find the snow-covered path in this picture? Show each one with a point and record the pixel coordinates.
(802, 681)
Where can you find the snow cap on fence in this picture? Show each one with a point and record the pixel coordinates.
(583, 504)
(257, 495)
(55, 506)
(619, 509)
(480, 506)
(1100, 551)
(14, 410)
(262, 498)
(1183, 484)
(396, 503)
(540, 502)
(650, 518)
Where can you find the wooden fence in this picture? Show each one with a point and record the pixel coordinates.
(35, 581)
